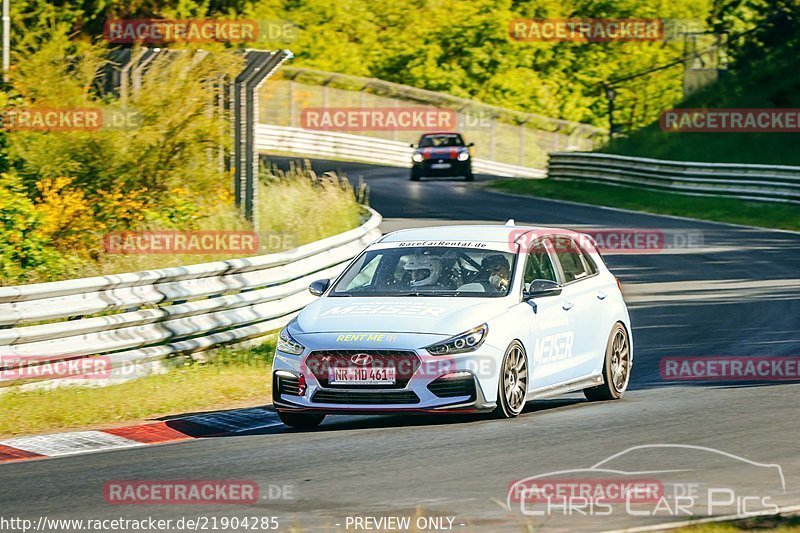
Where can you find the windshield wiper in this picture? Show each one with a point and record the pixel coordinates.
(439, 293)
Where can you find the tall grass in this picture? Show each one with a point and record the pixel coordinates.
(295, 208)
(306, 206)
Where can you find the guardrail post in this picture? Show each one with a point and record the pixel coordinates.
(260, 65)
(492, 124)
(292, 117)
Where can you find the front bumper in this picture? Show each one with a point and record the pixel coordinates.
(457, 168)
(452, 385)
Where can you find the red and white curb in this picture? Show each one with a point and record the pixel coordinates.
(178, 429)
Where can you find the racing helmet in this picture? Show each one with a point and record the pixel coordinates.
(425, 269)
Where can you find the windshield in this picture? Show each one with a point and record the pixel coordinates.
(428, 271)
(450, 139)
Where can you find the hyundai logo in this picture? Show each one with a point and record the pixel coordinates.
(362, 359)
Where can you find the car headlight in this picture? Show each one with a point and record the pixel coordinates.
(287, 344)
(417, 158)
(465, 342)
(463, 156)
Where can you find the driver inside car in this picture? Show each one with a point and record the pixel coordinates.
(498, 271)
(425, 270)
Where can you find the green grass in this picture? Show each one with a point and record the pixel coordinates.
(761, 84)
(763, 214)
(780, 524)
(233, 378)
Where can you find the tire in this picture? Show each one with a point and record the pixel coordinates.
(616, 367)
(513, 377)
(301, 420)
(415, 176)
(469, 177)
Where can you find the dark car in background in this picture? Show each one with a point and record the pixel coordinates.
(440, 155)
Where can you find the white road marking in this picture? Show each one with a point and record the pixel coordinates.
(70, 443)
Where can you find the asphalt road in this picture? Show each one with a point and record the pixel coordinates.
(733, 291)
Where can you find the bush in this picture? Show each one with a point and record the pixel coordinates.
(64, 190)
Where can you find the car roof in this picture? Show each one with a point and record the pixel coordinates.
(441, 133)
(497, 233)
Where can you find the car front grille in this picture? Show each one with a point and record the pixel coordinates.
(286, 385)
(364, 398)
(451, 387)
(405, 363)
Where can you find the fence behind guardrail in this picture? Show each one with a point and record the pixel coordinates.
(510, 139)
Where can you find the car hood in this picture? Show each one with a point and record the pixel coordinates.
(440, 316)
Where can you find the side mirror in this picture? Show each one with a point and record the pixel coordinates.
(471, 144)
(539, 288)
(317, 288)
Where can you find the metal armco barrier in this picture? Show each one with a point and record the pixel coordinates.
(771, 183)
(278, 140)
(143, 317)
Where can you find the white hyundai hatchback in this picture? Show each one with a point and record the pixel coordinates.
(456, 319)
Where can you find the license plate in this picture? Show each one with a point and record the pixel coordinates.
(440, 165)
(361, 376)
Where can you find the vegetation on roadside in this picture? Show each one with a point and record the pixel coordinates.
(763, 214)
(762, 74)
(777, 523)
(452, 46)
(295, 208)
(60, 192)
(63, 191)
(232, 378)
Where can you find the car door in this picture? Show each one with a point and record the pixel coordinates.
(549, 342)
(582, 303)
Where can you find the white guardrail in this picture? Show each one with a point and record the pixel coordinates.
(139, 319)
(770, 183)
(280, 140)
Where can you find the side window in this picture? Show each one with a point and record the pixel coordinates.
(539, 265)
(590, 264)
(570, 258)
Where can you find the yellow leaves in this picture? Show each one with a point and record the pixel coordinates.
(66, 213)
(223, 197)
(123, 210)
